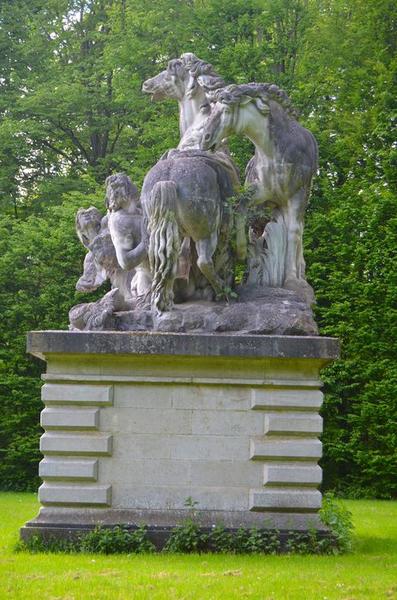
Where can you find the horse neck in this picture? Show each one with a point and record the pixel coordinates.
(189, 109)
(256, 127)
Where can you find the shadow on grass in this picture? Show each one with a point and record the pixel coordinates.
(367, 544)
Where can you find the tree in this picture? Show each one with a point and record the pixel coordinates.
(72, 111)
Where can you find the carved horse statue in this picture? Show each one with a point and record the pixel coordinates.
(199, 181)
(183, 194)
(183, 197)
(280, 172)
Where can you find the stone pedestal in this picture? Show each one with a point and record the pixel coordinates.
(137, 423)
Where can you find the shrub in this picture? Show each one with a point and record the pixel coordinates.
(117, 540)
(189, 537)
(335, 515)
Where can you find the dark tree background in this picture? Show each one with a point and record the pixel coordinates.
(71, 112)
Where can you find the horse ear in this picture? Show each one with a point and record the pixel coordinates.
(191, 86)
(175, 66)
(262, 105)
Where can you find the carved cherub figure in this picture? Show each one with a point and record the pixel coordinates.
(88, 226)
(100, 263)
(127, 232)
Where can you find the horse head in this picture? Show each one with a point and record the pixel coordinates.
(235, 106)
(170, 83)
(183, 77)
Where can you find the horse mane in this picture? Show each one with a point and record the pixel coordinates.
(232, 94)
(199, 68)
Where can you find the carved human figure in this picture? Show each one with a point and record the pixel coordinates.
(100, 263)
(131, 242)
(280, 172)
(128, 233)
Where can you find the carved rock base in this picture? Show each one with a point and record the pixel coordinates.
(272, 311)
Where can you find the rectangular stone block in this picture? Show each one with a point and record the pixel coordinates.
(72, 443)
(145, 472)
(293, 449)
(292, 475)
(225, 473)
(69, 418)
(175, 497)
(207, 397)
(293, 423)
(143, 396)
(202, 447)
(226, 422)
(281, 500)
(274, 398)
(77, 393)
(180, 447)
(68, 469)
(95, 495)
(127, 447)
(151, 421)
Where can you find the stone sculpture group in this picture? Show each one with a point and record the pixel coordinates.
(138, 423)
(170, 253)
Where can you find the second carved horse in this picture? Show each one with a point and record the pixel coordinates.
(280, 172)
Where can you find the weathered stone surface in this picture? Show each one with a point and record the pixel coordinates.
(285, 500)
(230, 421)
(100, 263)
(74, 443)
(62, 418)
(293, 424)
(75, 494)
(303, 449)
(284, 474)
(215, 498)
(60, 519)
(96, 316)
(277, 312)
(285, 398)
(279, 174)
(66, 468)
(217, 418)
(58, 393)
(40, 343)
(178, 242)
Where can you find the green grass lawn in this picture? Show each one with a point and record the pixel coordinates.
(369, 572)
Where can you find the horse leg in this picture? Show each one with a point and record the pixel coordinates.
(295, 264)
(205, 251)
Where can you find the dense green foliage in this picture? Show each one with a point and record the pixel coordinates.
(72, 111)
